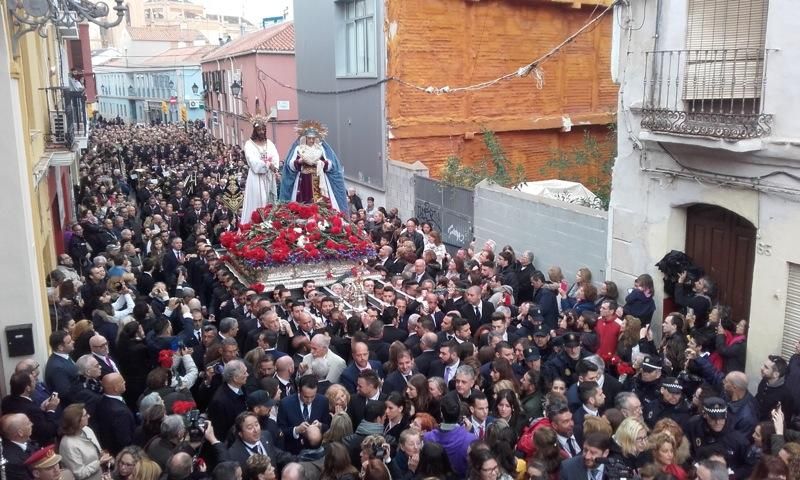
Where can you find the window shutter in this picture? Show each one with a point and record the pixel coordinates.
(725, 40)
(791, 322)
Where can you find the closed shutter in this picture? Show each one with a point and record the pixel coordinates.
(791, 323)
(725, 40)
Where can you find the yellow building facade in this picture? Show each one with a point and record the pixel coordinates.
(35, 186)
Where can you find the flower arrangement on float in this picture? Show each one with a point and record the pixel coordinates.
(295, 233)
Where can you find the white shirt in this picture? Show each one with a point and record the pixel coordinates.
(255, 446)
(565, 446)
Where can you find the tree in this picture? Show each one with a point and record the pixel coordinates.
(503, 171)
(600, 154)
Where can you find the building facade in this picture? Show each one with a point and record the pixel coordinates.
(43, 130)
(153, 89)
(708, 156)
(353, 46)
(173, 16)
(262, 65)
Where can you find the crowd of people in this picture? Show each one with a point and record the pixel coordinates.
(471, 365)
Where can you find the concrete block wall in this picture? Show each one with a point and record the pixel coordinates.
(400, 186)
(558, 233)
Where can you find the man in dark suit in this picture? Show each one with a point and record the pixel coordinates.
(284, 373)
(251, 440)
(99, 346)
(420, 274)
(300, 411)
(378, 348)
(368, 390)
(179, 203)
(229, 399)
(144, 279)
(588, 371)
(397, 381)
(447, 363)
(526, 269)
(173, 258)
(115, 431)
(60, 373)
(500, 324)
(17, 445)
(428, 355)
(415, 236)
(588, 464)
(476, 311)
(593, 398)
(361, 362)
(43, 417)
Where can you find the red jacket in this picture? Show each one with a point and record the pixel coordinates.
(607, 331)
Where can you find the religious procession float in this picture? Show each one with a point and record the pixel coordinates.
(304, 235)
(293, 242)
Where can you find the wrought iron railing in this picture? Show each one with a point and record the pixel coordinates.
(711, 93)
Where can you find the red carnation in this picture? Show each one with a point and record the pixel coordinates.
(182, 407)
(257, 287)
(336, 230)
(227, 239)
(165, 358)
(256, 217)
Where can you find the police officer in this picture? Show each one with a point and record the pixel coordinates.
(540, 338)
(710, 430)
(564, 364)
(647, 384)
(672, 404)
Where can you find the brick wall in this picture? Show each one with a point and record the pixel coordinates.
(457, 43)
(400, 186)
(558, 233)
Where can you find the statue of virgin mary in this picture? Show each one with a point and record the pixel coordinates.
(312, 172)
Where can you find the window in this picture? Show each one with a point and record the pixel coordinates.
(726, 47)
(791, 322)
(357, 37)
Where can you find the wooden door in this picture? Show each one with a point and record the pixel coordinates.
(723, 244)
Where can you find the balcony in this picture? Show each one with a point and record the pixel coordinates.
(67, 115)
(706, 93)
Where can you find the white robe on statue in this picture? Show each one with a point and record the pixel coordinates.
(261, 188)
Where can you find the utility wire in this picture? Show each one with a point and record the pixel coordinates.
(533, 68)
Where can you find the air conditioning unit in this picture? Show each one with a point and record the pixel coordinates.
(194, 104)
(58, 127)
(69, 33)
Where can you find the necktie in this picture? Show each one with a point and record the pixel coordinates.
(595, 474)
(480, 432)
(571, 447)
(197, 335)
(306, 414)
(256, 449)
(477, 313)
(447, 371)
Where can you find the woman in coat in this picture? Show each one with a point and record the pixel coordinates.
(79, 449)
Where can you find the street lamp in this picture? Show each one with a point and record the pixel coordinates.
(195, 88)
(171, 84)
(236, 88)
(130, 90)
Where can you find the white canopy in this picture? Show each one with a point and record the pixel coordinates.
(570, 192)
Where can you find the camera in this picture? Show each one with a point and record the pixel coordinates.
(616, 469)
(195, 425)
(378, 451)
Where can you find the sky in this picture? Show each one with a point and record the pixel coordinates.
(254, 10)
